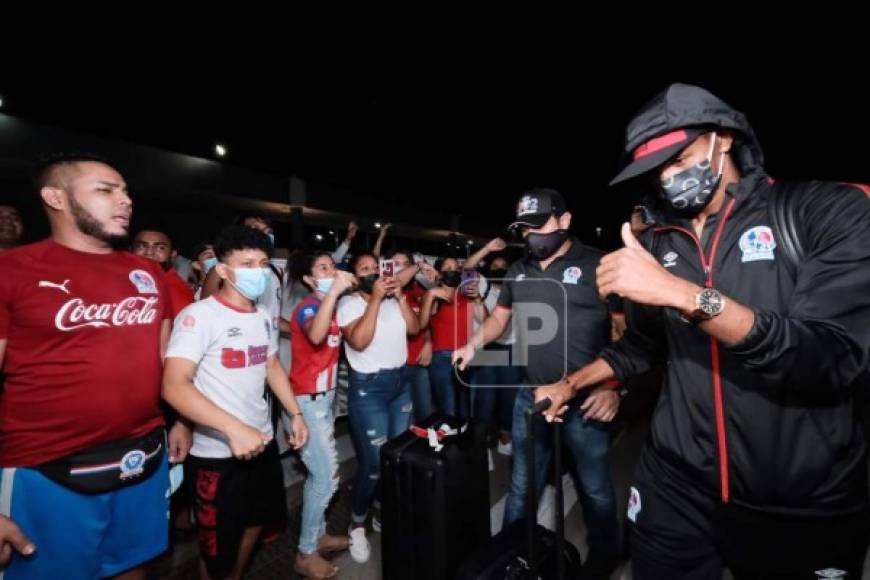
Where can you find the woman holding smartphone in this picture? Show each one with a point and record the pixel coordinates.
(375, 322)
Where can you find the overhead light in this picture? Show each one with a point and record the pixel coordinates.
(1, 102)
(378, 225)
(220, 150)
(318, 237)
(331, 233)
(598, 231)
(470, 242)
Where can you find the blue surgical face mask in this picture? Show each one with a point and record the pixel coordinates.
(324, 284)
(251, 282)
(208, 264)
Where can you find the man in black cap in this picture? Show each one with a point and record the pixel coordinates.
(554, 289)
(755, 461)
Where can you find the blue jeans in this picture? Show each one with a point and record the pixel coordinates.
(451, 396)
(494, 405)
(416, 380)
(589, 444)
(321, 460)
(379, 409)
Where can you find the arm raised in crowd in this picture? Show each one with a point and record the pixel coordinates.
(342, 250)
(494, 245)
(380, 242)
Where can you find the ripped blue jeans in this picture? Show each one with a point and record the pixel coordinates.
(379, 409)
(321, 460)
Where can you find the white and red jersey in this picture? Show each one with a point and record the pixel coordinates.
(82, 360)
(231, 348)
(314, 368)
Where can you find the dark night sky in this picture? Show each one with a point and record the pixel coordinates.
(461, 137)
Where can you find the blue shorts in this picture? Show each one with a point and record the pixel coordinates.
(81, 536)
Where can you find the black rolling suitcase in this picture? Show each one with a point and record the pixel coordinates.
(525, 550)
(435, 503)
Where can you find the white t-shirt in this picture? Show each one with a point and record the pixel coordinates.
(389, 347)
(231, 348)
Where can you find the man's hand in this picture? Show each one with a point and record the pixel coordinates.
(559, 394)
(11, 538)
(463, 356)
(245, 441)
(601, 405)
(180, 442)
(635, 274)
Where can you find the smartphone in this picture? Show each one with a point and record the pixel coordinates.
(469, 277)
(388, 268)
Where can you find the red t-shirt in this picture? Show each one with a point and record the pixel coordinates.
(451, 324)
(82, 359)
(415, 295)
(314, 368)
(180, 293)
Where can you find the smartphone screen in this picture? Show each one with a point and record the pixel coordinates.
(388, 268)
(468, 279)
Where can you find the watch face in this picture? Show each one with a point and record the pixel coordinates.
(710, 301)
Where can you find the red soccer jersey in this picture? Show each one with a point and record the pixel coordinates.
(450, 325)
(180, 293)
(82, 358)
(314, 368)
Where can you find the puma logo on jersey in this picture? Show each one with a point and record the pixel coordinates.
(61, 287)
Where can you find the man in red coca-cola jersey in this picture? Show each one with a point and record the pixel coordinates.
(83, 327)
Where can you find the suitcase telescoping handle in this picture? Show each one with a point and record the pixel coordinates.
(532, 491)
(532, 487)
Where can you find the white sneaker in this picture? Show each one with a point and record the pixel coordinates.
(360, 551)
(491, 462)
(505, 448)
(376, 524)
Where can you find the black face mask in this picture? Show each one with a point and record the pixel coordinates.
(451, 278)
(542, 246)
(497, 274)
(687, 193)
(367, 283)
